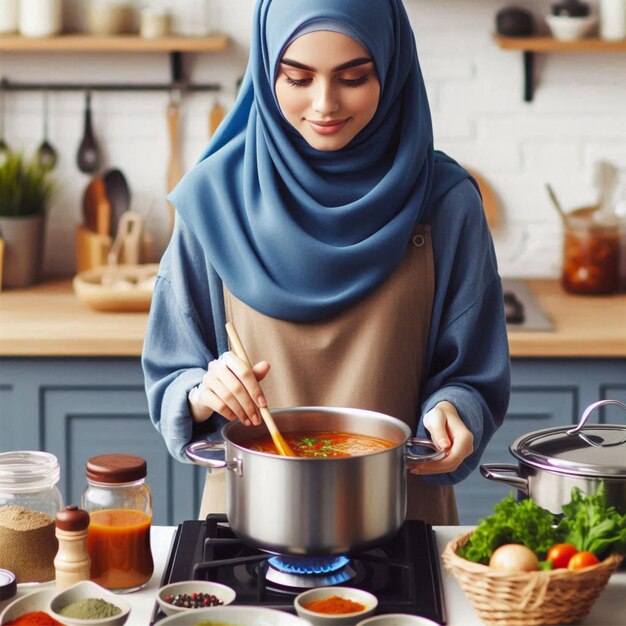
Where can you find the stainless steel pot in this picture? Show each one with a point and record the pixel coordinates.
(316, 506)
(554, 460)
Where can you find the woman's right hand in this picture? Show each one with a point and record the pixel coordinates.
(231, 389)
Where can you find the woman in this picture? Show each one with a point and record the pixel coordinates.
(349, 254)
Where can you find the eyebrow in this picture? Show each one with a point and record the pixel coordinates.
(339, 68)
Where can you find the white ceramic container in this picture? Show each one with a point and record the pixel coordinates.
(368, 600)
(40, 18)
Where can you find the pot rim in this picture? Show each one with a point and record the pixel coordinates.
(321, 409)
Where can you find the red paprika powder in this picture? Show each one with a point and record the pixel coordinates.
(34, 618)
(334, 605)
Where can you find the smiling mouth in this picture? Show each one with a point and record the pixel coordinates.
(327, 128)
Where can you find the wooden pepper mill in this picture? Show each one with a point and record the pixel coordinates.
(72, 563)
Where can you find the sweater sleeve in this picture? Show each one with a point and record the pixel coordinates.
(179, 343)
(468, 355)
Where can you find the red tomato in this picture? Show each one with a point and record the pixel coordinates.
(582, 559)
(560, 554)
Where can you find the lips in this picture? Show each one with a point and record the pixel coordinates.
(327, 128)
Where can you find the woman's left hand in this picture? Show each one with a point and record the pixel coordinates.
(449, 433)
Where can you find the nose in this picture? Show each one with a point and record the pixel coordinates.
(326, 99)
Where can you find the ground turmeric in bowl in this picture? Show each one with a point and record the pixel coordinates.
(334, 605)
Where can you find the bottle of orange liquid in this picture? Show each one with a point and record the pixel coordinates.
(119, 503)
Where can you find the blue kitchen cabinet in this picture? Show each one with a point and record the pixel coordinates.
(80, 407)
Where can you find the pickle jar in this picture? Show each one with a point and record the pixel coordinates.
(29, 502)
(119, 503)
(591, 250)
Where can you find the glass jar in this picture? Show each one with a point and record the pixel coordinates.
(590, 254)
(29, 501)
(119, 503)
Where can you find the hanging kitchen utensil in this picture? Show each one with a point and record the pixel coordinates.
(88, 157)
(175, 166)
(118, 193)
(490, 200)
(279, 441)
(96, 207)
(4, 148)
(216, 115)
(46, 154)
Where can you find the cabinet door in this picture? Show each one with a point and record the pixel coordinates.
(78, 408)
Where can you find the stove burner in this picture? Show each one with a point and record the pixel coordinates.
(302, 572)
(307, 564)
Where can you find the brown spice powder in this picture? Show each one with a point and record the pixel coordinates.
(28, 544)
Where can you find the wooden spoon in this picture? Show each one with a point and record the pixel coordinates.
(279, 441)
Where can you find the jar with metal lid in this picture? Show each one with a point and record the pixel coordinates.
(29, 501)
(591, 250)
(119, 503)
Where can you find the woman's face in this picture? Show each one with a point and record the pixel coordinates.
(327, 88)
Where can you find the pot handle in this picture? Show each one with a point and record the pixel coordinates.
(489, 471)
(421, 458)
(585, 417)
(193, 451)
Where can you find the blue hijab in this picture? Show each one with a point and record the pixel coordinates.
(300, 234)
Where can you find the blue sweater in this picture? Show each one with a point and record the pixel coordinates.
(467, 355)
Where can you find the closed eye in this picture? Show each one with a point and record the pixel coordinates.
(355, 82)
(297, 82)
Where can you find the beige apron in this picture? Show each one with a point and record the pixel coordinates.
(370, 356)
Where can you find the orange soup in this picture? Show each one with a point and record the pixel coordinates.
(118, 543)
(322, 444)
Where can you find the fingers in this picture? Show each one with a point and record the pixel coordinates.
(231, 388)
(444, 421)
(435, 422)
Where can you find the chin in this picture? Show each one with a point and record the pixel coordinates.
(326, 144)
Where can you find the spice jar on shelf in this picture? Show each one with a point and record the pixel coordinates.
(29, 501)
(119, 503)
(591, 251)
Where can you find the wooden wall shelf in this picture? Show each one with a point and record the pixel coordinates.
(117, 43)
(529, 46)
(174, 46)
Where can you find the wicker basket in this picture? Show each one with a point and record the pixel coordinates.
(558, 596)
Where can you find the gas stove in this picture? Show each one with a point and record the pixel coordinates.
(403, 573)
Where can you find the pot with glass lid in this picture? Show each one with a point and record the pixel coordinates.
(552, 461)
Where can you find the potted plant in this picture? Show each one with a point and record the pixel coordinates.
(25, 190)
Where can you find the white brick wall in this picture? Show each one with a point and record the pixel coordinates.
(475, 91)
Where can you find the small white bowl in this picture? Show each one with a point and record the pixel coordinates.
(236, 616)
(344, 619)
(34, 601)
(226, 594)
(567, 28)
(88, 589)
(397, 619)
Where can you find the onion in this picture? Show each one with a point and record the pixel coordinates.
(513, 557)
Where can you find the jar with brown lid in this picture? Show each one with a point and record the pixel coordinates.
(119, 503)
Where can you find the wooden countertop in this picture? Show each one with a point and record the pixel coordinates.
(48, 320)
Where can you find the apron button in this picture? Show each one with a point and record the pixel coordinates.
(418, 241)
